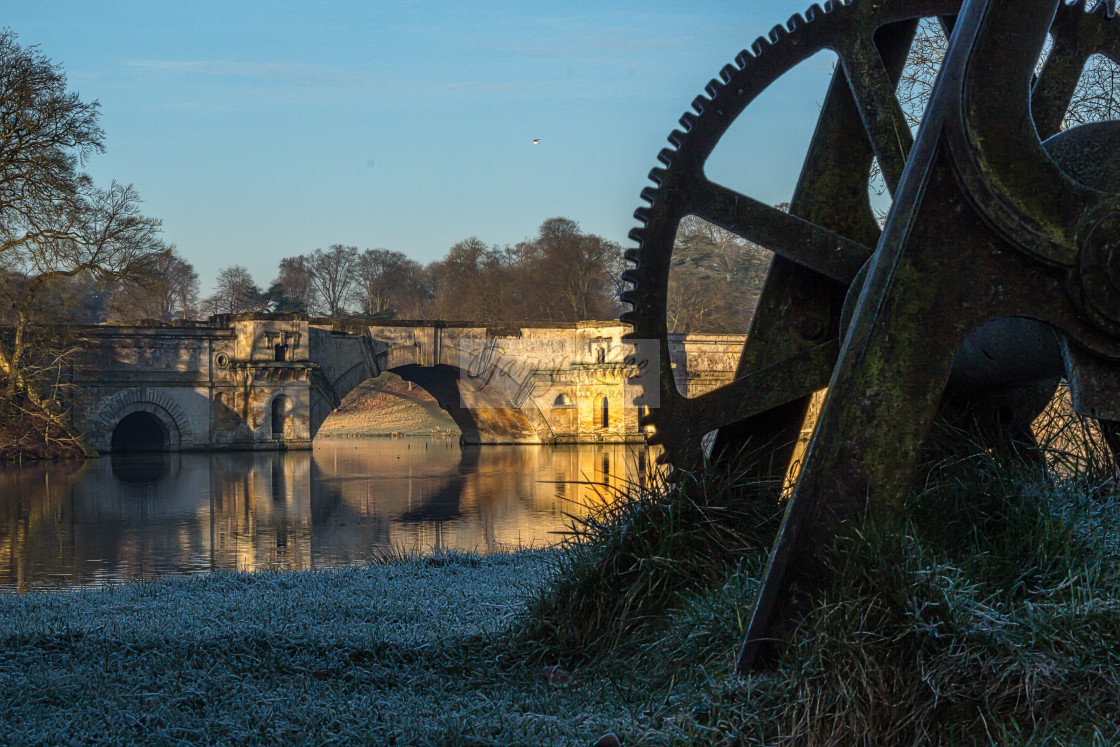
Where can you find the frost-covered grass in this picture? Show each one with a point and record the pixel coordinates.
(991, 614)
(398, 651)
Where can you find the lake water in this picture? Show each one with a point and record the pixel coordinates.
(347, 500)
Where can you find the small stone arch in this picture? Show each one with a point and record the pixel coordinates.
(562, 400)
(165, 410)
(602, 412)
(280, 417)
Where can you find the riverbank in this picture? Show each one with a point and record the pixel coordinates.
(991, 615)
(395, 651)
(410, 651)
(27, 433)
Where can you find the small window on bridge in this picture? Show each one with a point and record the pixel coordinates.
(604, 413)
(281, 352)
(562, 400)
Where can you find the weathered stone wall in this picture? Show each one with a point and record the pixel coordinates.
(209, 385)
(557, 375)
(702, 362)
(266, 381)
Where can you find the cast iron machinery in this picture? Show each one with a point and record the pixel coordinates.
(997, 269)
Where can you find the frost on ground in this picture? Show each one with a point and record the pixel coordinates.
(393, 652)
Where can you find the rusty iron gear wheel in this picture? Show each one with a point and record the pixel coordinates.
(830, 230)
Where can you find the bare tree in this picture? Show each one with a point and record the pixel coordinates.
(1096, 98)
(57, 229)
(715, 279)
(172, 293)
(380, 280)
(235, 293)
(293, 289)
(574, 271)
(332, 276)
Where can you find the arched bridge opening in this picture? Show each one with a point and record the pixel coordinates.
(417, 399)
(140, 432)
(481, 416)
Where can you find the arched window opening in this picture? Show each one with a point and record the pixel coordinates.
(604, 413)
(138, 432)
(279, 416)
(562, 400)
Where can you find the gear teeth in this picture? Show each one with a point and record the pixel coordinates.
(795, 22)
(627, 317)
(713, 88)
(688, 121)
(759, 46)
(642, 215)
(743, 59)
(632, 255)
(700, 103)
(829, 6)
(630, 276)
(813, 12)
(649, 194)
(677, 138)
(1105, 9)
(727, 73)
(628, 296)
(637, 235)
(778, 34)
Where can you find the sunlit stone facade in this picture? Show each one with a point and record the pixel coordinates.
(268, 381)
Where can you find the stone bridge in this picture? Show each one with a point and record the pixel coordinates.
(269, 381)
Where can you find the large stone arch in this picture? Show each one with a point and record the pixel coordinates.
(154, 402)
(485, 416)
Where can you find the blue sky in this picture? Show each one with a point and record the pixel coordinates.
(258, 130)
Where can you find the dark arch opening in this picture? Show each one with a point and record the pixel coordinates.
(279, 413)
(139, 432)
(605, 414)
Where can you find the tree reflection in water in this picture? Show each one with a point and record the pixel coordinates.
(133, 516)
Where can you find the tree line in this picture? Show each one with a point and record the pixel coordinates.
(561, 274)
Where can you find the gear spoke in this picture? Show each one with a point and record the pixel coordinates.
(764, 389)
(1055, 87)
(798, 240)
(879, 109)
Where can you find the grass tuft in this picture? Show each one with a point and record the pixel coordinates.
(626, 564)
(991, 613)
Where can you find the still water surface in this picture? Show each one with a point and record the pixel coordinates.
(113, 519)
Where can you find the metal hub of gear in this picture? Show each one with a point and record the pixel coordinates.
(830, 230)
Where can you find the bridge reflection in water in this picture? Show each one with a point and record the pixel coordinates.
(119, 518)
